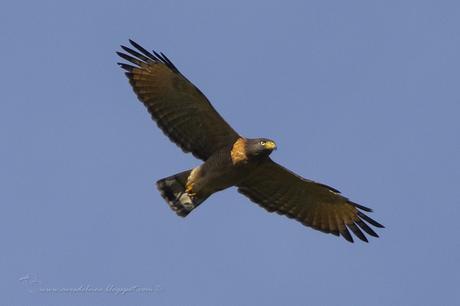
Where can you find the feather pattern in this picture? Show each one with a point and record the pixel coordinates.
(313, 204)
(179, 108)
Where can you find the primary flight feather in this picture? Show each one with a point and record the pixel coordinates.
(186, 116)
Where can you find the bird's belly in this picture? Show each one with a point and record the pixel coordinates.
(208, 181)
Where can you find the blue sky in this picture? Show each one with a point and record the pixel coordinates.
(361, 95)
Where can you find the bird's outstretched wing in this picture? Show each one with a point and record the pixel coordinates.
(180, 109)
(313, 204)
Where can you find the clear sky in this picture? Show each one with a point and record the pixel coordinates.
(361, 95)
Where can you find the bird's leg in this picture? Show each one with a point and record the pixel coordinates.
(189, 191)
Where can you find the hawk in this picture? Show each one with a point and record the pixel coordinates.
(187, 117)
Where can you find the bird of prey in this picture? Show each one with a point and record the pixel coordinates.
(187, 117)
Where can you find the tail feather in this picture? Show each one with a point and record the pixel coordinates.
(172, 189)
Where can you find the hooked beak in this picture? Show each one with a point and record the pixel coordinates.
(270, 145)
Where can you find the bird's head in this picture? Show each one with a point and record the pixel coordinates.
(259, 147)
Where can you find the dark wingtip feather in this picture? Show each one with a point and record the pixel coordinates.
(141, 49)
(145, 56)
(120, 54)
(129, 50)
(137, 54)
(346, 234)
(157, 54)
(370, 220)
(357, 232)
(170, 64)
(133, 43)
(130, 59)
(366, 228)
(360, 206)
(126, 66)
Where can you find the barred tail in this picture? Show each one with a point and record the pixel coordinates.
(172, 189)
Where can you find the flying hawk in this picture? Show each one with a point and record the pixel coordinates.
(186, 116)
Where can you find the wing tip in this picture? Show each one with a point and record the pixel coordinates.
(127, 67)
(370, 220)
(365, 208)
(144, 56)
(345, 233)
(357, 232)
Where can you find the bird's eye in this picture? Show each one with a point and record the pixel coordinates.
(262, 142)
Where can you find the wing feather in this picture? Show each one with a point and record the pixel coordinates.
(179, 108)
(313, 204)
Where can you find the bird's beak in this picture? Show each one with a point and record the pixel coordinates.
(270, 145)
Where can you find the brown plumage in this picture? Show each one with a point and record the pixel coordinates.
(180, 109)
(187, 117)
